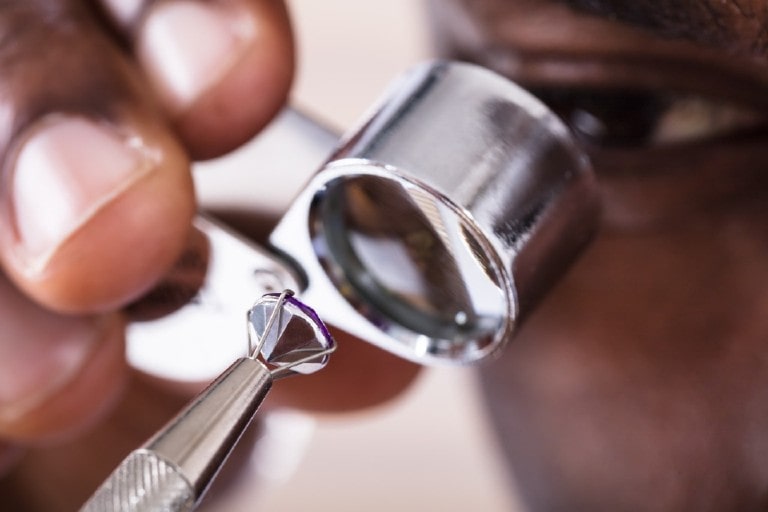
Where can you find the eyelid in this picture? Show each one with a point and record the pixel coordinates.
(645, 118)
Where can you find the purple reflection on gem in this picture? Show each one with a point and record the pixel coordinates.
(297, 340)
(311, 315)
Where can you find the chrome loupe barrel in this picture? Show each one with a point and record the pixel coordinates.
(437, 225)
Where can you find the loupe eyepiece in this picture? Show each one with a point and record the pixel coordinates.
(438, 224)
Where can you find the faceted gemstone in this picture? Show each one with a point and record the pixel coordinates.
(296, 333)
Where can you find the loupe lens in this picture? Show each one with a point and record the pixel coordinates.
(438, 224)
(411, 258)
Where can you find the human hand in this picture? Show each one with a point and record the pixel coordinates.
(99, 121)
(104, 103)
(640, 382)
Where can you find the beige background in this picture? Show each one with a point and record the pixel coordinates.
(432, 448)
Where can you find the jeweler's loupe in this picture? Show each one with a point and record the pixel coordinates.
(431, 231)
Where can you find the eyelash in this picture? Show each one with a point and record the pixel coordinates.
(632, 118)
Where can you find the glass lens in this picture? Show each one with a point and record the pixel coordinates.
(400, 252)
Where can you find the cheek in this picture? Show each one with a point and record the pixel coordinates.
(636, 377)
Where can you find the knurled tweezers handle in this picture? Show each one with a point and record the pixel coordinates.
(143, 482)
(171, 472)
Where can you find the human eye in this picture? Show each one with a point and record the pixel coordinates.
(624, 117)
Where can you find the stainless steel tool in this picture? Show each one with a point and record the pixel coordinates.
(431, 231)
(436, 226)
(172, 471)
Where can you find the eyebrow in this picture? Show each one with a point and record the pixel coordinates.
(722, 24)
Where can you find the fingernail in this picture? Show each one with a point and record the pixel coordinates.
(186, 47)
(66, 170)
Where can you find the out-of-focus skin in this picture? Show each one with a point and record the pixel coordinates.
(641, 383)
(104, 104)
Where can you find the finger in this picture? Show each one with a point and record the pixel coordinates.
(57, 374)
(220, 68)
(97, 196)
(9, 455)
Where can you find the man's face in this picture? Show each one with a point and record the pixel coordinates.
(624, 72)
(641, 383)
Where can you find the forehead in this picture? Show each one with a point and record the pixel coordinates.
(736, 25)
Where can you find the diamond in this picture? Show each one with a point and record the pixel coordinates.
(296, 334)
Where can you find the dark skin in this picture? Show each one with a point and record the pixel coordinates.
(638, 384)
(105, 104)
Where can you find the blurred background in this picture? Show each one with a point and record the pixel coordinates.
(432, 448)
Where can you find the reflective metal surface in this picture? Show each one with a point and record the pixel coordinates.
(431, 232)
(173, 470)
(437, 225)
(200, 438)
(208, 329)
